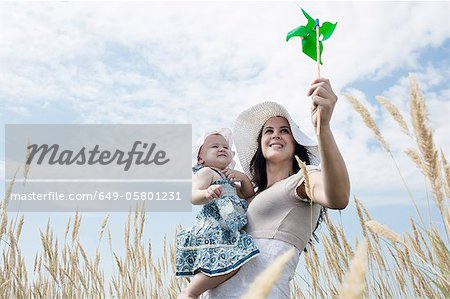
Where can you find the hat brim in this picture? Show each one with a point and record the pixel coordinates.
(250, 122)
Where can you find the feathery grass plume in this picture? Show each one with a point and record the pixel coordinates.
(341, 259)
(173, 250)
(378, 258)
(440, 249)
(395, 113)
(102, 230)
(368, 120)
(302, 166)
(315, 273)
(355, 280)
(76, 226)
(364, 210)
(331, 258)
(424, 139)
(308, 264)
(415, 241)
(400, 277)
(332, 230)
(362, 221)
(26, 167)
(3, 223)
(447, 219)
(430, 255)
(446, 167)
(405, 257)
(9, 190)
(415, 157)
(142, 222)
(368, 217)
(19, 227)
(67, 228)
(348, 250)
(384, 231)
(262, 285)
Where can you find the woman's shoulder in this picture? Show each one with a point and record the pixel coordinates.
(290, 184)
(309, 169)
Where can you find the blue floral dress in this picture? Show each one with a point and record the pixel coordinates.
(216, 244)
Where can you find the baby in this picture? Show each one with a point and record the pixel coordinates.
(216, 246)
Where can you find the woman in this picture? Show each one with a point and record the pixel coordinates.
(283, 214)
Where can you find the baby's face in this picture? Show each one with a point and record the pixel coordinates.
(215, 152)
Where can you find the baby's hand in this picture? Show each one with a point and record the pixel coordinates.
(213, 191)
(234, 175)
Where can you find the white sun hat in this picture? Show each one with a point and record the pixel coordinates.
(225, 132)
(250, 122)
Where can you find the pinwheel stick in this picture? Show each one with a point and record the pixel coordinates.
(318, 73)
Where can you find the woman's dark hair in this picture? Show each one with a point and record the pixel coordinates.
(258, 163)
(258, 171)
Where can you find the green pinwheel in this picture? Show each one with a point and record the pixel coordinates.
(309, 35)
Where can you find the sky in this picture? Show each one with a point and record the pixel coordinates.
(202, 63)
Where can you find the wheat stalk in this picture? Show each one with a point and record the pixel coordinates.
(395, 113)
(446, 167)
(368, 120)
(355, 279)
(384, 231)
(104, 222)
(302, 166)
(424, 139)
(417, 263)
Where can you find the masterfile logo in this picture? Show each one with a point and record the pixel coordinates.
(95, 156)
(98, 167)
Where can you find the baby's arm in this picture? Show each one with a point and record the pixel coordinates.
(246, 191)
(202, 190)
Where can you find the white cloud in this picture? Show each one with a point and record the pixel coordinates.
(172, 62)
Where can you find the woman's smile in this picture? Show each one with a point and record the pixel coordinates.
(276, 145)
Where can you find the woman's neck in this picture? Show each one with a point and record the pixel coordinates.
(278, 171)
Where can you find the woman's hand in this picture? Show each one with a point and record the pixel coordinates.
(322, 96)
(246, 190)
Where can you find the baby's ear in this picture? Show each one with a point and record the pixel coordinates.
(234, 153)
(200, 161)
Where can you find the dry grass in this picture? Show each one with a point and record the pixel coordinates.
(412, 265)
(66, 270)
(383, 230)
(302, 166)
(355, 280)
(395, 113)
(368, 120)
(425, 143)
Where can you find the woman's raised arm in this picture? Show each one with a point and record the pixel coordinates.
(331, 186)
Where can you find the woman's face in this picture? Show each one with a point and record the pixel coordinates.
(277, 142)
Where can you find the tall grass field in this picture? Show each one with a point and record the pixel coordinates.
(381, 263)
